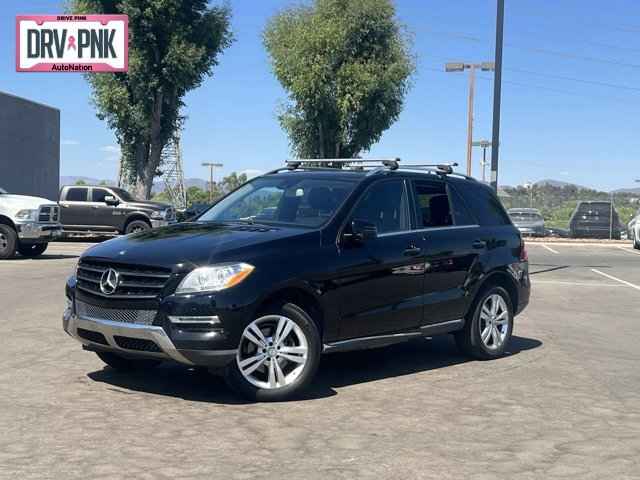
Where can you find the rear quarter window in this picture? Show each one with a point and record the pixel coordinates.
(483, 203)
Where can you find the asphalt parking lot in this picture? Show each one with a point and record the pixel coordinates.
(565, 403)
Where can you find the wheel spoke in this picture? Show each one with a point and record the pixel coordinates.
(486, 312)
(252, 363)
(496, 336)
(503, 318)
(293, 350)
(494, 305)
(292, 358)
(280, 377)
(273, 383)
(282, 321)
(285, 333)
(486, 333)
(251, 337)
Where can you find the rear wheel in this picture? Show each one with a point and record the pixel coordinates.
(8, 241)
(488, 331)
(122, 364)
(32, 250)
(137, 226)
(278, 355)
(636, 242)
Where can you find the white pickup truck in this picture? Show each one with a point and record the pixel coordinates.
(27, 224)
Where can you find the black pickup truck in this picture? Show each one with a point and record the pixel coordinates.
(100, 209)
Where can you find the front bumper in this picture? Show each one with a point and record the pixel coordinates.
(161, 223)
(38, 232)
(136, 341)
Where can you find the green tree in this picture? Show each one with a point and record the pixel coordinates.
(346, 66)
(232, 181)
(197, 195)
(173, 45)
(81, 182)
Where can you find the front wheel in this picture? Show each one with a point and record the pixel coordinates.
(137, 226)
(122, 364)
(278, 355)
(488, 331)
(32, 250)
(8, 241)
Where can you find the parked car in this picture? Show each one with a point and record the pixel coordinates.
(27, 224)
(593, 219)
(556, 232)
(528, 220)
(633, 229)
(99, 209)
(347, 259)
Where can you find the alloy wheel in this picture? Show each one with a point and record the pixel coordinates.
(494, 321)
(4, 242)
(273, 352)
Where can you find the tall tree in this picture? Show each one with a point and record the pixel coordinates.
(173, 45)
(346, 66)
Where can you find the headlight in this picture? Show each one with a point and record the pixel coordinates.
(159, 215)
(27, 215)
(215, 278)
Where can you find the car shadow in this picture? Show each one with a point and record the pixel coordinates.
(336, 370)
(44, 256)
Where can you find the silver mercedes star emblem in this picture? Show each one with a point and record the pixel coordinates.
(109, 281)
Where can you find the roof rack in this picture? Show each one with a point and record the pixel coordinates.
(351, 163)
(446, 168)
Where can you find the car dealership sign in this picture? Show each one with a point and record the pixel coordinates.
(72, 43)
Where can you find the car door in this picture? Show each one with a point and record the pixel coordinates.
(103, 214)
(380, 282)
(450, 247)
(76, 209)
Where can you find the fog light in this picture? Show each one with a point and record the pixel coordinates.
(213, 320)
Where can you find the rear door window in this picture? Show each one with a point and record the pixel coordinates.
(461, 213)
(431, 204)
(77, 195)
(483, 203)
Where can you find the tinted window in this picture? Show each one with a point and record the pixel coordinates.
(384, 205)
(98, 194)
(77, 195)
(124, 195)
(461, 214)
(290, 199)
(432, 205)
(483, 203)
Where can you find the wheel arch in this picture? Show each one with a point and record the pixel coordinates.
(133, 217)
(299, 296)
(498, 278)
(4, 220)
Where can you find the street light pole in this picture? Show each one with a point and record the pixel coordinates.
(497, 89)
(460, 67)
(211, 167)
(484, 144)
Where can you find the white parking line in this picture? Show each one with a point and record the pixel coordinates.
(549, 248)
(577, 284)
(628, 250)
(611, 277)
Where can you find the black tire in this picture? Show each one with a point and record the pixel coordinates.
(8, 242)
(32, 250)
(137, 226)
(469, 339)
(636, 243)
(122, 364)
(236, 380)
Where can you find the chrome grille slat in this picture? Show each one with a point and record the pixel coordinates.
(48, 214)
(135, 281)
(138, 317)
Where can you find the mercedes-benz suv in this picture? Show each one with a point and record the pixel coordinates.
(302, 261)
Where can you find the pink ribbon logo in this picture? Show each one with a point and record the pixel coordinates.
(72, 43)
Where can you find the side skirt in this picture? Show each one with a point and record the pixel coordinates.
(378, 341)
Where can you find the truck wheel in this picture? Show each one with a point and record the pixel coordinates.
(488, 329)
(137, 226)
(32, 250)
(8, 241)
(122, 364)
(278, 355)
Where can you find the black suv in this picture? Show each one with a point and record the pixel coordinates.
(595, 219)
(100, 209)
(303, 261)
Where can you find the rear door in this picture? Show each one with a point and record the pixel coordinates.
(452, 245)
(76, 208)
(380, 282)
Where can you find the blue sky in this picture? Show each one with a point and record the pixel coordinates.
(571, 93)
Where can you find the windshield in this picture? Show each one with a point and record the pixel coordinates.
(295, 200)
(124, 195)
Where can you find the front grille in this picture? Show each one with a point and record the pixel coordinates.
(139, 344)
(139, 317)
(49, 214)
(95, 337)
(133, 281)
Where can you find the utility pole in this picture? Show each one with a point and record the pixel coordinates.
(211, 167)
(460, 67)
(497, 89)
(484, 144)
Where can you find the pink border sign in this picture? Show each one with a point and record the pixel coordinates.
(73, 66)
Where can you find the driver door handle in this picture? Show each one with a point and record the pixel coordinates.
(478, 244)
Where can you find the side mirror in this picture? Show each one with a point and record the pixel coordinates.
(361, 231)
(111, 200)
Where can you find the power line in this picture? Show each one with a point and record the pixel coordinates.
(581, 80)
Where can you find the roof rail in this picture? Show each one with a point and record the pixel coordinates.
(352, 163)
(446, 168)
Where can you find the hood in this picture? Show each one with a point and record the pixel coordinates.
(21, 202)
(190, 244)
(147, 204)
